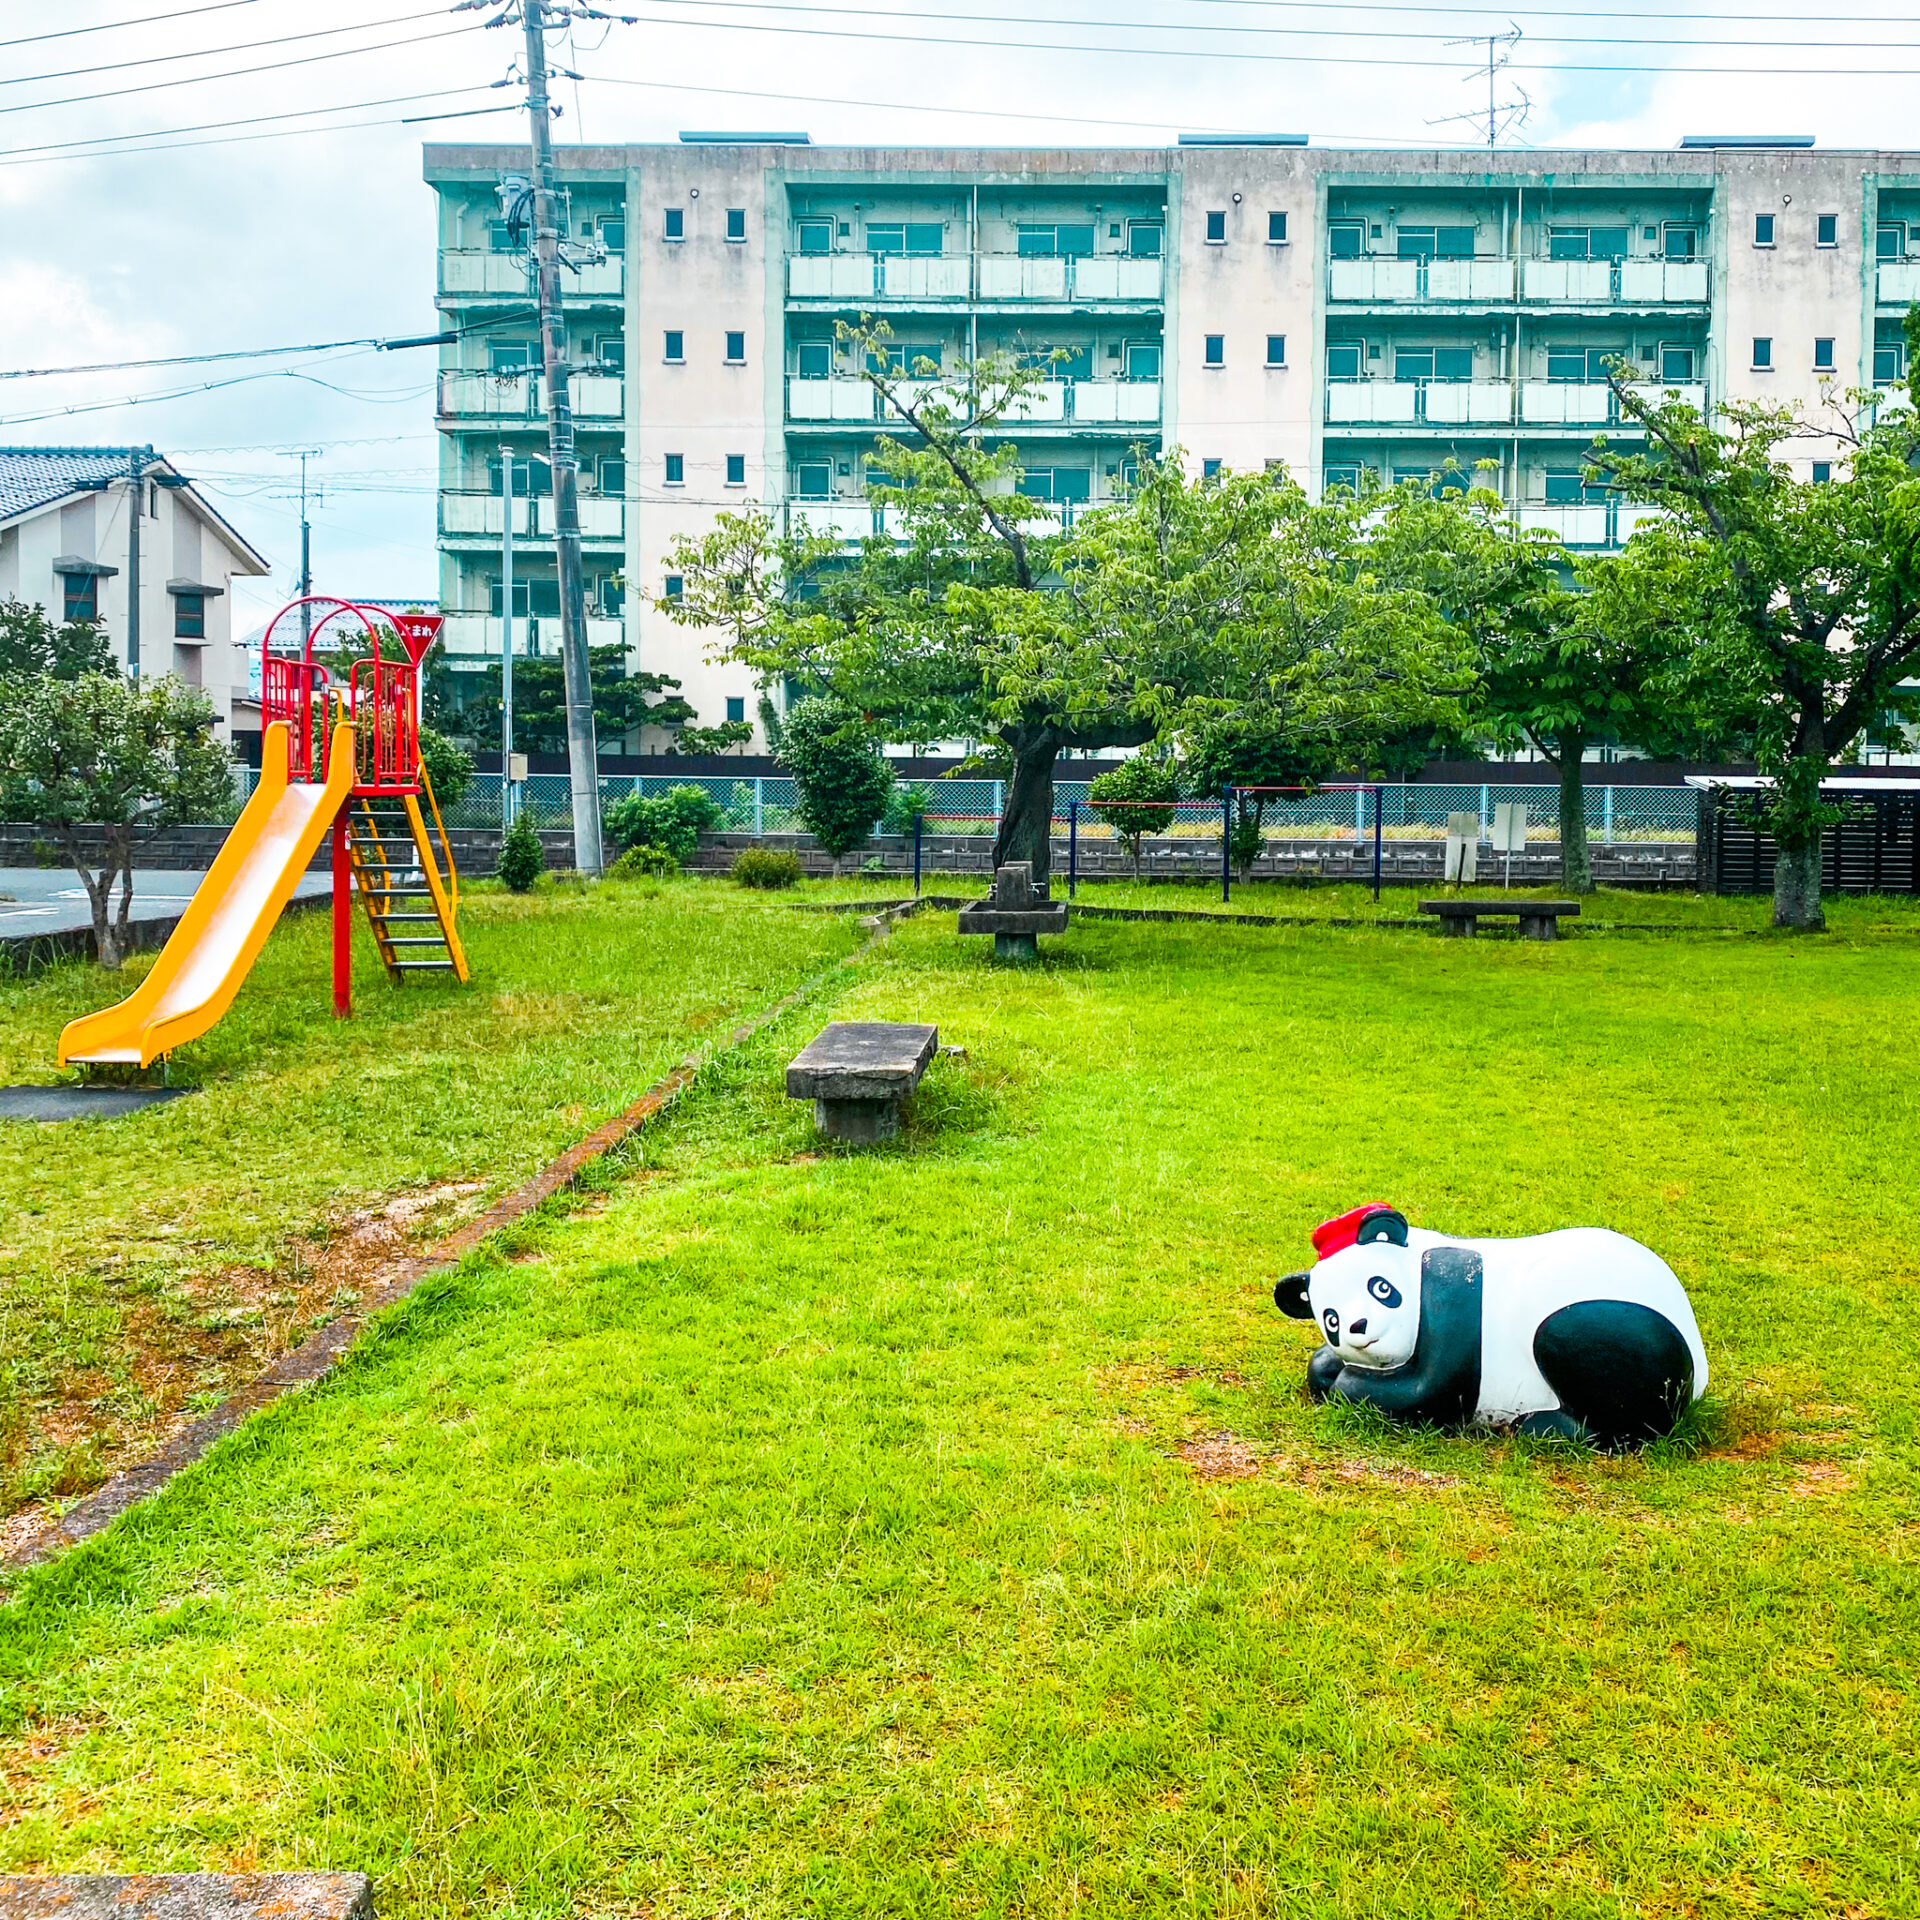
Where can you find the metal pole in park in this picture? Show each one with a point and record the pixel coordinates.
(506, 633)
(1226, 843)
(1375, 791)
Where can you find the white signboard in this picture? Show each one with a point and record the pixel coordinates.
(1510, 827)
(1463, 848)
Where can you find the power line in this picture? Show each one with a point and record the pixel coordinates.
(112, 26)
(208, 53)
(237, 73)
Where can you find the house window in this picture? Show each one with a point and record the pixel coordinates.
(1889, 352)
(736, 349)
(736, 709)
(814, 236)
(499, 237)
(1056, 242)
(1146, 239)
(1143, 360)
(1568, 489)
(1676, 365)
(675, 586)
(613, 234)
(1346, 479)
(736, 223)
(1276, 229)
(813, 360)
(1057, 483)
(1682, 243)
(676, 228)
(1429, 243)
(916, 237)
(1216, 349)
(1890, 241)
(1346, 239)
(189, 616)
(1762, 351)
(1276, 349)
(531, 477)
(611, 351)
(1828, 232)
(1343, 361)
(676, 475)
(1209, 469)
(81, 598)
(612, 595)
(1823, 356)
(813, 480)
(736, 469)
(1587, 365)
(613, 476)
(1822, 472)
(1586, 243)
(509, 356)
(676, 347)
(1763, 229)
(1217, 228)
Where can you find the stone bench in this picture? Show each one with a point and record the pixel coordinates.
(1539, 919)
(859, 1075)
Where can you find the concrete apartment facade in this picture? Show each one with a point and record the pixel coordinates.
(1346, 313)
(73, 520)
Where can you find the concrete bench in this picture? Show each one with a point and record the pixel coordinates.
(1539, 919)
(859, 1075)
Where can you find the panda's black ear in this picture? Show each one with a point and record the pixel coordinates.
(1290, 1296)
(1383, 1225)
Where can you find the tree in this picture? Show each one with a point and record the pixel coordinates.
(672, 821)
(31, 644)
(841, 778)
(522, 858)
(93, 758)
(1253, 756)
(1136, 799)
(449, 767)
(1802, 599)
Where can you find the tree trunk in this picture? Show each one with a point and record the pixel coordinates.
(1576, 869)
(1026, 826)
(1796, 887)
(99, 886)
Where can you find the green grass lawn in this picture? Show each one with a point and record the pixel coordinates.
(942, 1529)
(150, 1262)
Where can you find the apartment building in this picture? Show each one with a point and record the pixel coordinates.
(1347, 313)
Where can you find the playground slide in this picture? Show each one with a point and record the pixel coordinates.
(220, 936)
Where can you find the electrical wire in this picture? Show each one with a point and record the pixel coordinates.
(208, 53)
(113, 26)
(237, 73)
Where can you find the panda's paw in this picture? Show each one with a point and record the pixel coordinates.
(1553, 1424)
(1322, 1371)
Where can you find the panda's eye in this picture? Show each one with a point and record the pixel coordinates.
(1384, 1291)
(1331, 1321)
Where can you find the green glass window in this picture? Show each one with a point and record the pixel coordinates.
(1343, 361)
(908, 236)
(1890, 241)
(189, 616)
(813, 359)
(1346, 239)
(814, 236)
(1146, 239)
(1676, 365)
(813, 480)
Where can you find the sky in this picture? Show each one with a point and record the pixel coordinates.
(137, 223)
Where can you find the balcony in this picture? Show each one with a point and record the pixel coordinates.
(1592, 523)
(1483, 403)
(839, 519)
(476, 515)
(521, 395)
(1898, 283)
(1491, 282)
(854, 277)
(470, 634)
(479, 271)
(1093, 403)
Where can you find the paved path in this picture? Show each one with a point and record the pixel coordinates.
(39, 900)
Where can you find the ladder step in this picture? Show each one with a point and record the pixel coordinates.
(394, 919)
(408, 940)
(422, 966)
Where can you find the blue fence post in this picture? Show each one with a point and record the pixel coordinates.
(1483, 813)
(1376, 846)
(759, 803)
(917, 822)
(998, 802)
(1226, 843)
(1606, 812)
(1073, 847)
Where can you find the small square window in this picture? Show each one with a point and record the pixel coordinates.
(1276, 229)
(613, 476)
(1216, 349)
(1823, 356)
(1829, 230)
(1276, 349)
(676, 223)
(675, 585)
(736, 223)
(1762, 351)
(81, 596)
(1822, 472)
(1217, 228)
(1763, 229)
(676, 470)
(613, 233)
(736, 348)
(189, 616)
(1209, 469)
(736, 708)
(736, 469)
(676, 346)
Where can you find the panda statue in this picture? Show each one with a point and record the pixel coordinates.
(1580, 1335)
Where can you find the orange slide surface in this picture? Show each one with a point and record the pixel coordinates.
(220, 936)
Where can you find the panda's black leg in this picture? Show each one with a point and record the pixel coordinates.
(1553, 1424)
(1322, 1371)
(1620, 1369)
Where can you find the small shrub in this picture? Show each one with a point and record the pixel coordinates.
(643, 863)
(766, 867)
(842, 780)
(522, 858)
(905, 805)
(673, 820)
(1134, 800)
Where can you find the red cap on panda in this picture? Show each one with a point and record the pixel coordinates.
(1333, 1236)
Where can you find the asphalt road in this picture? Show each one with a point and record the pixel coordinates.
(36, 900)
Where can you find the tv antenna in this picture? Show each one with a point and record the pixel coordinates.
(1501, 116)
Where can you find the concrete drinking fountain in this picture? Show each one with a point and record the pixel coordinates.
(1016, 913)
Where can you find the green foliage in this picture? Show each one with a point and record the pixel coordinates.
(31, 644)
(1135, 800)
(672, 821)
(767, 867)
(522, 858)
(841, 779)
(449, 767)
(906, 805)
(467, 705)
(642, 862)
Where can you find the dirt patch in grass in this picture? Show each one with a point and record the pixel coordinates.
(1818, 1479)
(1227, 1456)
(1221, 1456)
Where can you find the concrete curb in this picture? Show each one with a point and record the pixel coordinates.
(186, 1896)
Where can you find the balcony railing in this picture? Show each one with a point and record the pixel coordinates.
(1489, 403)
(479, 633)
(477, 515)
(1501, 280)
(1587, 523)
(856, 519)
(477, 270)
(958, 276)
(1898, 283)
(1053, 402)
(522, 395)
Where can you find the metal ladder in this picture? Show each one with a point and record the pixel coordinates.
(409, 891)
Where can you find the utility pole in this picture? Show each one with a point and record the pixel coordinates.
(582, 753)
(506, 636)
(139, 459)
(303, 454)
